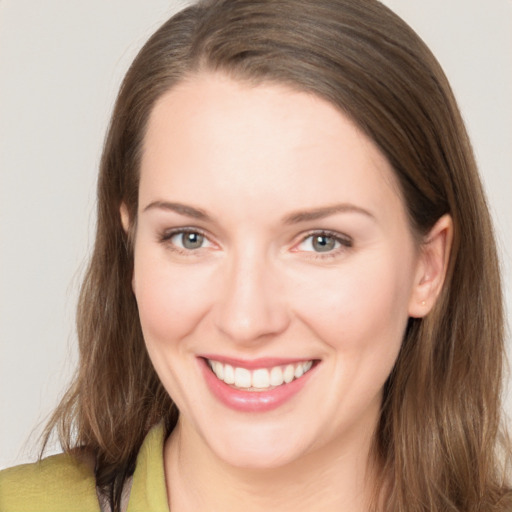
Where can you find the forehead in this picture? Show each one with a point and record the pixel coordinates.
(211, 138)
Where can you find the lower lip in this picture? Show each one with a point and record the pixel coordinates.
(252, 401)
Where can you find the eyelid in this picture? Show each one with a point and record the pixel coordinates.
(165, 236)
(345, 242)
(168, 233)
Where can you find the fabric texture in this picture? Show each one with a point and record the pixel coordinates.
(62, 483)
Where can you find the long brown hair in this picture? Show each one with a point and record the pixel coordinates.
(437, 441)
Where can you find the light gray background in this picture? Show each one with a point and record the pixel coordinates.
(61, 62)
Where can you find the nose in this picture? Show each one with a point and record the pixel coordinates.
(251, 305)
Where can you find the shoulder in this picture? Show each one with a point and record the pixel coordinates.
(57, 483)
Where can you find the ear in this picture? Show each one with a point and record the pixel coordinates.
(125, 217)
(125, 222)
(432, 266)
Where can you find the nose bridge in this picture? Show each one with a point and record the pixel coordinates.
(250, 306)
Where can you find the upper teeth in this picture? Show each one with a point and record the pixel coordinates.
(260, 378)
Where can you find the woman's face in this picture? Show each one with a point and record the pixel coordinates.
(275, 270)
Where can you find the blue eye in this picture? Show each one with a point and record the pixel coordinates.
(188, 240)
(323, 243)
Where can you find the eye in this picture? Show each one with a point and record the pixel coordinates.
(323, 242)
(187, 240)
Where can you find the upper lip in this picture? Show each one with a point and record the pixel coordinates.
(261, 362)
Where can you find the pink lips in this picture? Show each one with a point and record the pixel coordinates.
(252, 401)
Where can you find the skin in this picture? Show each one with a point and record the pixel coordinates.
(251, 158)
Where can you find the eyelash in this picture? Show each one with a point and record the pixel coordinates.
(344, 242)
(165, 238)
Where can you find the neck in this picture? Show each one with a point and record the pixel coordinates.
(334, 478)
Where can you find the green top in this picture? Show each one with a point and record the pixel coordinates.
(62, 484)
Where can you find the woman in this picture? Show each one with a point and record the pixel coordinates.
(294, 298)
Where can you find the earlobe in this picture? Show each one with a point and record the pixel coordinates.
(432, 267)
(125, 222)
(125, 217)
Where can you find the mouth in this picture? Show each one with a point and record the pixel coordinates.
(256, 386)
(259, 385)
(259, 379)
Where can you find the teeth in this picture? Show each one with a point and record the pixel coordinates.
(289, 373)
(242, 378)
(229, 374)
(261, 378)
(276, 376)
(218, 368)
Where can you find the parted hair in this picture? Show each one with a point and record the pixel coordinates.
(437, 446)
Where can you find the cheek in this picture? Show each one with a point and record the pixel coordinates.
(360, 307)
(170, 298)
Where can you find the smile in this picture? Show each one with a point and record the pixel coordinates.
(259, 379)
(256, 386)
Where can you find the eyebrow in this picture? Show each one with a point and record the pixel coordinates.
(293, 218)
(326, 211)
(182, 209)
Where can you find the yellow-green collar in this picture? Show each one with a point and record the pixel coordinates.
(148, 491)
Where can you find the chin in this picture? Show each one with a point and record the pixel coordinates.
(259, 449)
(263, 458)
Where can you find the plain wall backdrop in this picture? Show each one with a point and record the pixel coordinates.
(61, 62)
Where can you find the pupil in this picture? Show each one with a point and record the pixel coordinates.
(192, 241)
(323, 243)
